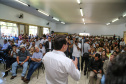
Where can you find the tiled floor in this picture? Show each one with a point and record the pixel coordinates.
(34, 80)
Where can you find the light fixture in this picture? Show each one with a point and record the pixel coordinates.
(115, 20)
(108, 24)
(78, 1)
(22, 2)
(63, 22)
(124, 15)
(81, 11)
(43, 12)
(83, 19)
(55, 18)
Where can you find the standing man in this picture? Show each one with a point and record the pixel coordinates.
(49, 45)
(86, 49)
(58, 66)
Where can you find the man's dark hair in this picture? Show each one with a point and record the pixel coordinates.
(97, 55)
(116, 72)
(44, 36)
(5, 40)
(59, 41)
(49, 36)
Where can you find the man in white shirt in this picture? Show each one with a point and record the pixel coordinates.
(122, 43)
(76, 52)
(33, 45)
(58, 66)
(43, 41)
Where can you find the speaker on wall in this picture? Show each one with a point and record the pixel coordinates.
(21, 16)
(47, 23)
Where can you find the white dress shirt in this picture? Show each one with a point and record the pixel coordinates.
(58, 67)
(43, 41)
(76, 52)
(49, 45)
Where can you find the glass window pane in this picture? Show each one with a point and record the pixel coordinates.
(45, 30)
(2, 23)
(14, 24)
(33, 30)
(9, 24)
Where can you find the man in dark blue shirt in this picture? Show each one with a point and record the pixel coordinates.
(22, 60)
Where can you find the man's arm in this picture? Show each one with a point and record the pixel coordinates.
(73, 71)
(17, 59)
(25, 60)
(36, 60)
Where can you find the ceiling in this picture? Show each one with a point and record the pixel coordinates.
(95, 11)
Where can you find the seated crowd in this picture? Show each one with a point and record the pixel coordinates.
(24, 50)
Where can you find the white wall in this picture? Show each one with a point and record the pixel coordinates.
(93, 29)
(9, 13)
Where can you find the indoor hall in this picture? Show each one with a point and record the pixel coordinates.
(102, 23)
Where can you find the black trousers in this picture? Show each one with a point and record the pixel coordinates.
(9, 61)
(86, 60)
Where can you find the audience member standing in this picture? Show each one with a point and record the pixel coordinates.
(85, 57)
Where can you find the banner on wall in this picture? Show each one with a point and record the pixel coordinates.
(21, 29)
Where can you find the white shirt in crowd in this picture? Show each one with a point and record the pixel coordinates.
(37, 42)
(43, 41)
(122, 43)
(58, 67)
(31, 46)
(76, 52)
(42, 50)
(49, 45)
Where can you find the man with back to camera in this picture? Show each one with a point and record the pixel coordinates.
(58, 66)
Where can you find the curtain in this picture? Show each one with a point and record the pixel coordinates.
(18, 26)
(26, 29)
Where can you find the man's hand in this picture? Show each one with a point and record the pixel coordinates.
(21, 63)
(95, 71)
(75, 62)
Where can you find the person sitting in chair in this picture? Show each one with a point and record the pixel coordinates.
(95, 66)
(22, 60)
(35, 63)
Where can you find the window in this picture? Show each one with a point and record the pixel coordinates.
(45, 30)
(9, 29)
(33, 30)
(84, 34)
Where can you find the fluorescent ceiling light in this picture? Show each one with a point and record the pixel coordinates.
(78, 1)
(83, 19)
(43, 12)
(108, 24)
(81, 11)
(22, 2)
(63, 22)
(115, 20)
(124, 15)
(56, 19)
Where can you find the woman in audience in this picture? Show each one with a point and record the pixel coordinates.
(108, 52)
(103, 56)
(105, 67)
(11, 59)
(117, 50)
(31, 51)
